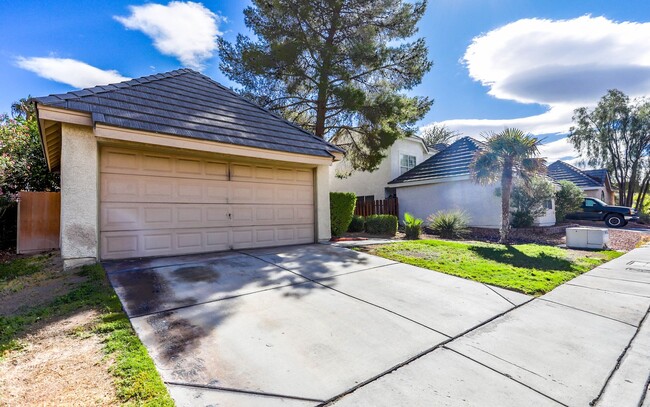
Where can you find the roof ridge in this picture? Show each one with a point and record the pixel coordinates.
(99, 89)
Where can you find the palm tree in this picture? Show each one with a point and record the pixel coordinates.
(506, 154)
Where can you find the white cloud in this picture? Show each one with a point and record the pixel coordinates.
(560, 64)
(69, 71)
(185, 30)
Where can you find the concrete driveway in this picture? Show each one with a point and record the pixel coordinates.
(296, 325)
(319, 324)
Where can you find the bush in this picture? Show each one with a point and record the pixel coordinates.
(381, 224)
(341, 211)
(644, 218)
(357, 224)
(567, 199)
(529, 201)
(412, 226)
(521, 219)
(449, 224)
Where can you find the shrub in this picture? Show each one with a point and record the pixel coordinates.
(449, 224)
(412, 226)
(529, 201)
(567, 199)
(644, 217)
(357, 224)
(381, 224)
(341, 211)
(521, 219)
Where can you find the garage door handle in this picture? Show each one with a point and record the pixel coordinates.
(229, 216)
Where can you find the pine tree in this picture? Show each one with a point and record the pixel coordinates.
(336, 67)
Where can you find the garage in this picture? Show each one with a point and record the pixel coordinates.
(175, 163)
(169, 204)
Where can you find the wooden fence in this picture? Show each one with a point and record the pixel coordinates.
(39, 220)
(386, 206)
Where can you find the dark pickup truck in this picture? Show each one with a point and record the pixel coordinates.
(597, 210)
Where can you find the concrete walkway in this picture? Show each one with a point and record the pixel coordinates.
(324, 325)
(587, 341)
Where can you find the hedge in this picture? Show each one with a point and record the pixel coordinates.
(341, 211)
(381, 224)
(357, 225)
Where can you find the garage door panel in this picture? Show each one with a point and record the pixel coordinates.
(137, 188)
(259, 236)
(137, 216)
(251, 193)
(158, 204)
(124, 161)
(118, 245)
(259, 173)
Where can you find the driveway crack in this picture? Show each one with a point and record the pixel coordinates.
(251, 392)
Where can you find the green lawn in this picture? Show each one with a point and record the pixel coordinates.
(136, 379)
(528, 268)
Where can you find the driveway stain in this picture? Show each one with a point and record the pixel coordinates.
(143, 291)
(179, 338)
(197, 274)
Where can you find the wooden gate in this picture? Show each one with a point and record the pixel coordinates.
(386, 206)
(39, 220)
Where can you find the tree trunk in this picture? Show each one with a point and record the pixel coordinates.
(506, 190)
(642, 193)
(325, 72)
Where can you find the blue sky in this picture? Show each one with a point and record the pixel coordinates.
(497, 63)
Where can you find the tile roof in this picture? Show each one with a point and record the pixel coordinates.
(186, 103)
(599, 175)
(561, 171)
(450, 162)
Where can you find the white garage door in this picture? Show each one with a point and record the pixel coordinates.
(162, 204)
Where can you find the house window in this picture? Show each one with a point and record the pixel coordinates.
(365, 199)
(406, 163)
(548, 204)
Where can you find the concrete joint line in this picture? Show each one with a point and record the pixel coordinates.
(254, 393)
(507, 375)
(418, 356)
(607, 291)
(497, 293)
(618, 279)
(588, 312)
(618, 364)
(352, 296)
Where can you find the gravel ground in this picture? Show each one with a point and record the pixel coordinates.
(620, 239)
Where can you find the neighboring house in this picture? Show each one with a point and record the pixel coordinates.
(444, 182)
(176, 163)
(594, 183)
(401, 157)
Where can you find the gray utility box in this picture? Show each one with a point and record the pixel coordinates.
(587, 238)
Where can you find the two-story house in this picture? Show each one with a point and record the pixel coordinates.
(404, 155)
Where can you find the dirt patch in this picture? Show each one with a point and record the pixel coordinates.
(58, 366)
(37, 289)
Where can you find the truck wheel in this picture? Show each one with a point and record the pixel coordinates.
(614, 221)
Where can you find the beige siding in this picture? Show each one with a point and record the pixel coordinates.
(162, 204)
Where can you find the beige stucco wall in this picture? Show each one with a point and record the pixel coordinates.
(364, 183)
(597, 193)
(79, 195)
(479, 202)
(322, 201)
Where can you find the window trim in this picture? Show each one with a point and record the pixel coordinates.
(403, 169)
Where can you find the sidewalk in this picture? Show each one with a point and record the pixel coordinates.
(586, 342)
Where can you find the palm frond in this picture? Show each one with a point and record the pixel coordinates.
(486, 167)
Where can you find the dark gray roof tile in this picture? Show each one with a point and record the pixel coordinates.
(188, 104)
(451, 161)
(561, 171)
